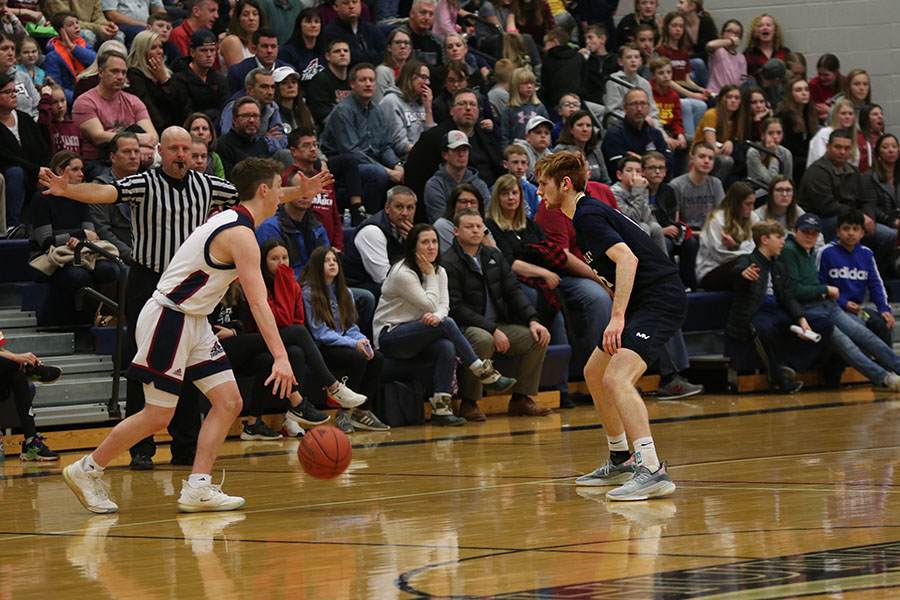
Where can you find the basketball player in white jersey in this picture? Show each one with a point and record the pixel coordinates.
(174, 337)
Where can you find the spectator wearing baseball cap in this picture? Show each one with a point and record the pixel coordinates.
(536, 141)
(453, 171)
(771, 79)
(851, 339)
(294, 113)
(203, 87)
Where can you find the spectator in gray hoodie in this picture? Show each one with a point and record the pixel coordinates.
(407, 106)
(453, 171)
(25, 90)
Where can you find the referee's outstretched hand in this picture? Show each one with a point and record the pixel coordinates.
(315, 185)
(55, 184)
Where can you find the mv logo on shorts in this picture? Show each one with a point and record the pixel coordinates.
(643, 336)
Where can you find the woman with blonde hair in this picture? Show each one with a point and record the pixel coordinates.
(522, 106)
(150, 80)
(764, 41)
(246, 18)
(843, 116)
(516, 237)
(516, 49)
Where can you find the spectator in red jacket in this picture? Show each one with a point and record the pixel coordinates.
(202, 14)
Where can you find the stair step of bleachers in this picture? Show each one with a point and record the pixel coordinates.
(81, 364)
(15, 318)
(42, 344)
(76, 391)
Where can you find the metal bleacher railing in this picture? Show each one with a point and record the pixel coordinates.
(119, 307)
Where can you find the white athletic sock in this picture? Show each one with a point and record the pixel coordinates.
(198, 480)
(477, 366)
(617, 443)
(88, 464)
(645, 453)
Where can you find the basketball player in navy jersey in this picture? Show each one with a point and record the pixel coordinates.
(648, 307)
(175, 339)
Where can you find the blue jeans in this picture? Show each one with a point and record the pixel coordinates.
(674, 359)
(441, 344)
(365, 308)
(854, 342)
(770, 323)
(15, 194)
(71, 278)
(375, 183)
(386, 9)
(596, 304)
(700, 72)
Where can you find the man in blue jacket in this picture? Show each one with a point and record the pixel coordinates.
(634, 135)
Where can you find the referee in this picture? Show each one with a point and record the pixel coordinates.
(167, 204)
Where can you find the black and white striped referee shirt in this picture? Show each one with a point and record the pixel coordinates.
(164, 211)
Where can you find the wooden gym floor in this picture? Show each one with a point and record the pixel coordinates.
(778, 497)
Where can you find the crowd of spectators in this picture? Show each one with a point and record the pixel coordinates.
(436, 111)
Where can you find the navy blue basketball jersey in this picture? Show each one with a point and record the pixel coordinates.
(598, 227)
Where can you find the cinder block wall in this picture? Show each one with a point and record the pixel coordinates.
(864, 34)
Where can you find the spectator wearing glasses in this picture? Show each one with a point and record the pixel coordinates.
(399, 47)
(241, 142)
(456, 78)
(634, 134)
(568, 104)
(407, 107)
(484, 155)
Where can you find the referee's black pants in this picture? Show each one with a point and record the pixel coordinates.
(185, 425)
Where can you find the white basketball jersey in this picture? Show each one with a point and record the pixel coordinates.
(194, 282)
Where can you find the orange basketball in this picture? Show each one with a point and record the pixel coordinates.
(324, 452)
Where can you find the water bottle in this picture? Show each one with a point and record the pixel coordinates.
(347, 219)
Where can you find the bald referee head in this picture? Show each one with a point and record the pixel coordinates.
(175, 150)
